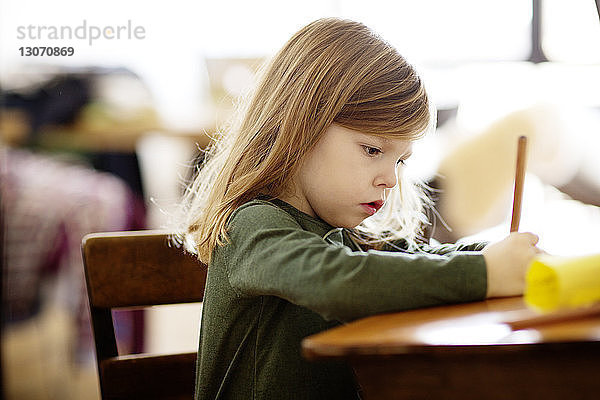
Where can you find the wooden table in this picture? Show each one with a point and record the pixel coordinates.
(466, 351)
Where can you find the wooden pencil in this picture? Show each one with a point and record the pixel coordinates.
(519, 180)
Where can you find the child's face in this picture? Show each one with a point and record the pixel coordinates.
(343, 179)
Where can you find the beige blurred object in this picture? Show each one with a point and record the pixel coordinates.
(14, 126)
(230, 79)
(37, 360)
(478, 174)
(100, 128)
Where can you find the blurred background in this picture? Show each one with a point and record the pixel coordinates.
(105, 139)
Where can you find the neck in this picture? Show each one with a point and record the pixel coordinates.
(298, 201)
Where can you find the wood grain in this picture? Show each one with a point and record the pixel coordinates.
(470, 327)
(140, 268)
(466, 351)
(136, 269)
(519, 182)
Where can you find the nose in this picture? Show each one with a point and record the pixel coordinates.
(387, 178)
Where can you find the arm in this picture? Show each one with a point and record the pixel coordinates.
(448, 248)
(442, 249)
(271, 254)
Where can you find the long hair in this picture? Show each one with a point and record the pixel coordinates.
(331, 71)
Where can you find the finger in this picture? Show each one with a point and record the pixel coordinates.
(532, 253)
(539, 251)
(530, 237)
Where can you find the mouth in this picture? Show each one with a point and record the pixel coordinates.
(372, 207)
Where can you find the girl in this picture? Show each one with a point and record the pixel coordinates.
(304, 222)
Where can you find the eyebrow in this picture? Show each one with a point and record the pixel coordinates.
(382, 140)
(385, 142)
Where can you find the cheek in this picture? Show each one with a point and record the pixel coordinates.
(338, 172)
(358, 170)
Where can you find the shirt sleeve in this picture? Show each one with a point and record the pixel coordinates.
(270, 254)
(448, 248)
(441, 249)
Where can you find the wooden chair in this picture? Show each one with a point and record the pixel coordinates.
(137, 269)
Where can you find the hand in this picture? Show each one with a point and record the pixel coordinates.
(507, 262)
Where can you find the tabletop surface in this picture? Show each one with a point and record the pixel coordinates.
(476, 327)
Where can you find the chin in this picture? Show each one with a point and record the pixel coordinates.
(345, 221)
(342, 223)
(353, 224)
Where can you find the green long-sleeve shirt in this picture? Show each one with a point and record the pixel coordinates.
(285, 275)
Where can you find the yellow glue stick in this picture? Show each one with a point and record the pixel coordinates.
(554, 282)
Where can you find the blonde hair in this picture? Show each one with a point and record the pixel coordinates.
(331, 71)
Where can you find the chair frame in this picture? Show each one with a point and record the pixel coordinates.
(139, 269)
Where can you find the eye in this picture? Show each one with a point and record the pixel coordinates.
(403, 162)
(371, 151)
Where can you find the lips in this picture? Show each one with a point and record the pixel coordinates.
(372, 207)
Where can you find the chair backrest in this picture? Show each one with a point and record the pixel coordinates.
(139, 269)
